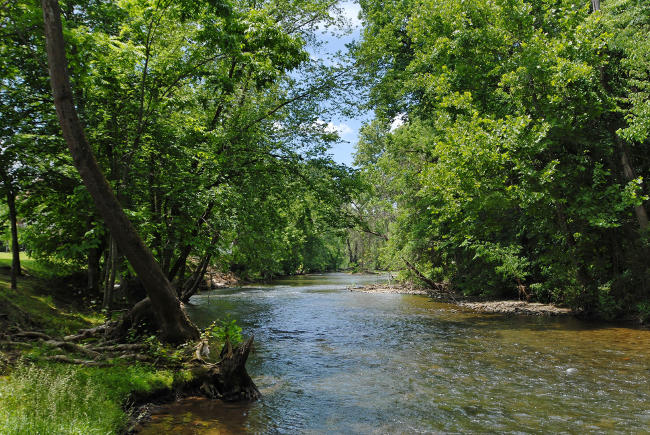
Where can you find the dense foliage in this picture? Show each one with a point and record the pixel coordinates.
(510, 145)
(508, 151)
(205, 118)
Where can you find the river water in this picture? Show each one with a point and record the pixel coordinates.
(328, 360)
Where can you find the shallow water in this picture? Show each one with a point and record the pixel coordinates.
(328, 360)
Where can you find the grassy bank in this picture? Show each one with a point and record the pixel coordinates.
(38, 396)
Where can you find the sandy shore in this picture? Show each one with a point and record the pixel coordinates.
(497, 307)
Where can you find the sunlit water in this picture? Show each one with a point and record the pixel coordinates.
(328, 360)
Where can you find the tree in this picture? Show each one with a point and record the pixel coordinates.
(175, 325)
(9, 187)
(519, 160)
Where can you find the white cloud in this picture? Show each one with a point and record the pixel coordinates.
(398, 121)
(341, 129)
(351, 12)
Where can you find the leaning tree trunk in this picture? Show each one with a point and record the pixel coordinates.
(175, 325)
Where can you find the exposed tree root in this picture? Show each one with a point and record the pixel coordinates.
(68, 360)
(10, 343)
(227, 379)
(120, 347)
(89, 333)
(32, 334)
(74, 348)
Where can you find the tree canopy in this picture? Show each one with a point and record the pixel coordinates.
(523, 149)
(507, 151)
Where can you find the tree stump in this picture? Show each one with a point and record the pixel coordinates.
(227, 379)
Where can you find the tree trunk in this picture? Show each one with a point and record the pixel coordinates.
(181, 279)
(430, 283)
(195, 280)
(229, 379)
(185, 252)
(15, 247)
(628, 171)
(93, 269)
(109, 284)
(180, 263)
(595, 5)
(175, 325)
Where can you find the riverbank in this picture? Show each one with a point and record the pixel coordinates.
(495, 307)
(51, 382)
(406, 289)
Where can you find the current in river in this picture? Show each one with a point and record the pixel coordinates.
(328, 360)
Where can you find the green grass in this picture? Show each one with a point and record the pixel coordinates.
(41, 397)
(62, 399)
(32, 304)
(35, 267)
(29, 307)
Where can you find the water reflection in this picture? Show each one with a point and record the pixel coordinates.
(329, 360)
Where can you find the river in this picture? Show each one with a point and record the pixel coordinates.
(328, 360)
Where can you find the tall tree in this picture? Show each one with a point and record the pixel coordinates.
(522, 151)
(9, 186)
(175, 325)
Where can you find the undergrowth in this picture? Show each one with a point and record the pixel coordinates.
(35, 305)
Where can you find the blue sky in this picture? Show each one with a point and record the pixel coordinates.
(347, 128)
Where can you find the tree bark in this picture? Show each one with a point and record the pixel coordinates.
(93, 269)
(628, 171)
(15, 247)
(185, 252)
(195, 280)
(595, 5)
(420, 275)
(175, 325)
(109, 285)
